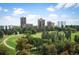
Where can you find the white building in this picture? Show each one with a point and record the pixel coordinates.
(61, 23)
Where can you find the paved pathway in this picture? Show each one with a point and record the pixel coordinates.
(4, 42)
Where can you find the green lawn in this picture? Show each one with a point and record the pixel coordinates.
(37, 35)
(10, 51)
(73, 35)
(12, 40)
(1, 39)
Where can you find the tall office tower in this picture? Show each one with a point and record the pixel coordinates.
(1, 27)
(50, 24)
(41, 24)
(10, 26)
(61, 23)
(6, 28)
(23, 22)
(29, 25)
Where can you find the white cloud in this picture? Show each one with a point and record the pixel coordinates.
(18, 11)
(59, 6)
(32, 18)
(62, 6)
(77, 5)
(68, 5)
(53, 15)
(65, 5)
(10, 20)
(50, 9)
(8, 17)
(52, 18)
(64, 16)
(3, 9)
(57, 17)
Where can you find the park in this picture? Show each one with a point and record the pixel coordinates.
(9, 41)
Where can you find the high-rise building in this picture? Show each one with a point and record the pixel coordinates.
(11, 26)
(61, 23)
(50, 24)
(1, 27)
(23, 22)
(41, 24)
(29, 25)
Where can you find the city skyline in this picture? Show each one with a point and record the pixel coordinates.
(10, 13)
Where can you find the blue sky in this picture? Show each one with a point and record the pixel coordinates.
(10, 13)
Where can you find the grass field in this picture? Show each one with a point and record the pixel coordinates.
(10, 51)
(12, 40)
(73, 35)
(1, 39)
(37, 35)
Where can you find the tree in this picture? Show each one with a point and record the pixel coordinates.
(68, 34)
(49, 49)
(3, 50)
(60, 44)
(1, 34)
(30, 30)
(53, 36)
(65, 52)
(23, 46)
(69, 48)
(76, 38)
(45, 35)
(77, 49)
(61, 36)
(35, 41)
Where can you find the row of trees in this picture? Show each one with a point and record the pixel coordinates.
(16, 30)
(33, 30)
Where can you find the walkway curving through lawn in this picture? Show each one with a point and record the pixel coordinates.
(10, 41)
(5, 40)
